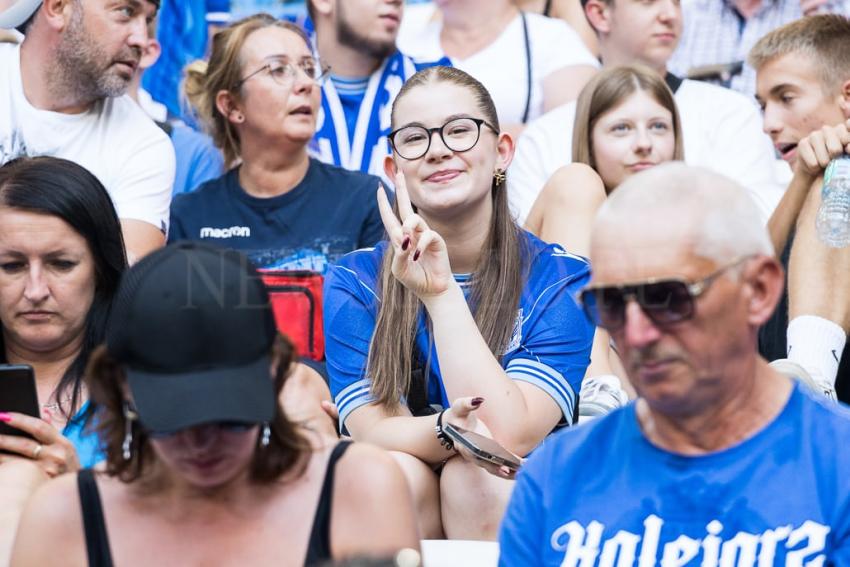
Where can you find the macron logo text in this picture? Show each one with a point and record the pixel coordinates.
(233, 231)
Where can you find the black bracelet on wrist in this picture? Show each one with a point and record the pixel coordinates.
(444, 439)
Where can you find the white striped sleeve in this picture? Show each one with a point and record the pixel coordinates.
(352, 397)
(547, 379)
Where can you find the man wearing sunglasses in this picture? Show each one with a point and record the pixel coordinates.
(722, 460)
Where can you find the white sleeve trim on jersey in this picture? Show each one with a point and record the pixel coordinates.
(359, 281)
(352, 397)
(547, 379)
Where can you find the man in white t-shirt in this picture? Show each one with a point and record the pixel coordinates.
(721, 128)
(62, 94)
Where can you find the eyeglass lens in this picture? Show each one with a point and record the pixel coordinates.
(664, 302)
(459, 135)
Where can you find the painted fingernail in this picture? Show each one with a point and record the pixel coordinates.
(477, 402)
(416, 255)
(5, 417)
(406, 243)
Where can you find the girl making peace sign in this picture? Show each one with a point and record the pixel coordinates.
(460, 317)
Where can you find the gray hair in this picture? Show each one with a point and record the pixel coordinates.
(715, 212)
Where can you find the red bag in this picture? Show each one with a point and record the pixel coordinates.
(296, 299)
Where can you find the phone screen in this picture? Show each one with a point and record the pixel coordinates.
(18, 394)
(483, 447)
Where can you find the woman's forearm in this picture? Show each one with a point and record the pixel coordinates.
(407, 434)
(468, 368)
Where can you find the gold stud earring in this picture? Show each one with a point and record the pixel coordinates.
(499, 176)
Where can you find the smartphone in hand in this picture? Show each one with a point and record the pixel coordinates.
(483, 448)
(18, 394)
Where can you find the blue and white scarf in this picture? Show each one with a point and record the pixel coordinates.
(366, 149)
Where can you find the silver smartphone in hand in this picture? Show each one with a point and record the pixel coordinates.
(483, 448)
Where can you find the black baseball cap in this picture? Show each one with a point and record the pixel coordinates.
(192, 325)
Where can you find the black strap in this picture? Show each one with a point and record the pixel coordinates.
(319, 546)
(528, 74)
(417, 391)
(547, 7)
(97, 540)
(673, 82)
(166, 127)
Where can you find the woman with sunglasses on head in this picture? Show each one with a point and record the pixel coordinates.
(460, 318)
(203, 466)
(626, 121)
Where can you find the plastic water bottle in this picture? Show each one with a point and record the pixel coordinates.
(833, 221)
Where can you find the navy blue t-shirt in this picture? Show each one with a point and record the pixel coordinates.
(331, 212)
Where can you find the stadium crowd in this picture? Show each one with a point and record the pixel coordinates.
(339, 282)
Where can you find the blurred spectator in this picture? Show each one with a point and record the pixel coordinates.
(198, 449)
(718, 35)
(571, 11)
(61, 258)
(721, 129)
(683, 275)
(61, 94)
(626, 122)
(259, 95)
(460, 310)
(182, 32)
(529, 63)
(197, 158)
(357, 40)
(804, 89)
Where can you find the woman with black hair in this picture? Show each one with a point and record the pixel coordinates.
(61, 257)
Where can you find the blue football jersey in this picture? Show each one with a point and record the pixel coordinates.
(549, 346)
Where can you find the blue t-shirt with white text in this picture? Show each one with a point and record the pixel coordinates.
(602, 494)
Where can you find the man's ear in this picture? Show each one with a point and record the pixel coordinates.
(844, 98)
(766, 280)
(322, 7)
(150, 55)
(229, 107)
(57, 13)
(598, 14)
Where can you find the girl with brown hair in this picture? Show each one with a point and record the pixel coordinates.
(461, 317)
(626, 121)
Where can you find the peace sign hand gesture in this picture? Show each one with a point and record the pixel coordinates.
(420, 256)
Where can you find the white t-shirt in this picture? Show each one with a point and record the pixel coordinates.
(501, 66)
(721, 131)
(114, 140)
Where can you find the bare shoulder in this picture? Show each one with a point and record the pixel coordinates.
(366, 465)
(373, 511)
(578, 182)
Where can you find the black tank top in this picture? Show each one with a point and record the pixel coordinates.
(97, 540)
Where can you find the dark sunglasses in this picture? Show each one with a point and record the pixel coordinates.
(225, 426)
(664, 301)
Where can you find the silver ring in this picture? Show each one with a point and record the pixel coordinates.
(37, 451)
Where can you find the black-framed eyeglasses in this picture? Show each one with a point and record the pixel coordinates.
(458, 135)
(664, 301)
(283, 73)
